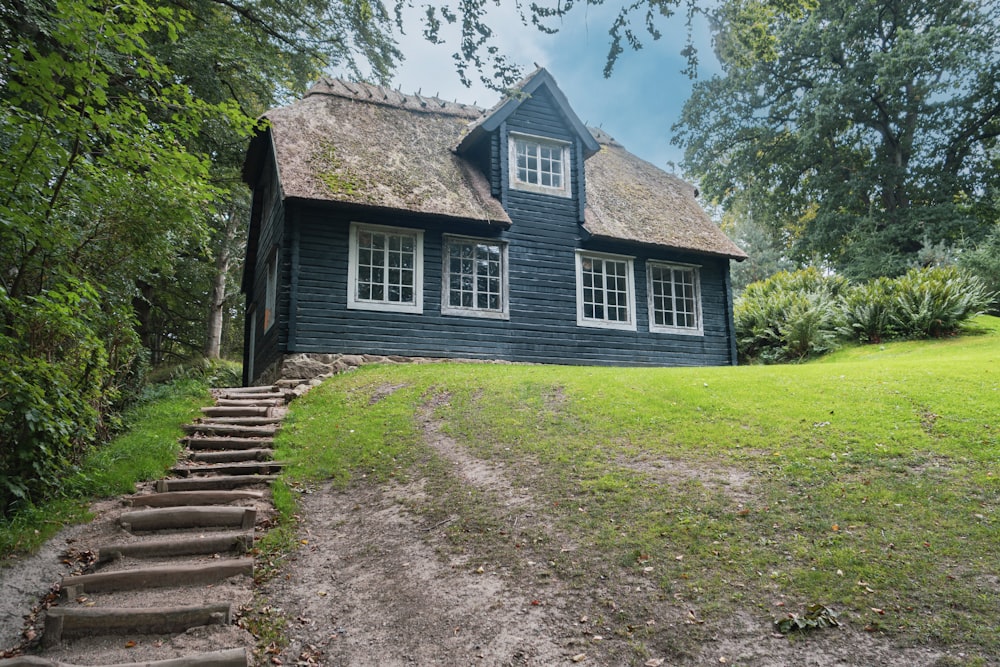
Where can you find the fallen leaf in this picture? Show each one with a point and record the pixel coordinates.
(579, 657)
(836, 527)
(654, 662)
(878, 611)
(130, 644)
(535, 603)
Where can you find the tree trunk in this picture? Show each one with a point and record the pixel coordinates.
(217, 300)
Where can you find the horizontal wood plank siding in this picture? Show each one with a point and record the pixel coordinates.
(541, 243)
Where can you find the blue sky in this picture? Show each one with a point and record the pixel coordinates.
(637, 105)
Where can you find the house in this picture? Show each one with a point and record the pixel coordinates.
(393, 224)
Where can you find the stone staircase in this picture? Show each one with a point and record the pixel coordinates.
(165, 575)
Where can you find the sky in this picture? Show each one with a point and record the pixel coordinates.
(637, 105)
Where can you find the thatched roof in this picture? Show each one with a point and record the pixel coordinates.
(630, 199)
(360, 144)
(366, 145)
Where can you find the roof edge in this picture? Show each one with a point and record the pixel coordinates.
(537, 79)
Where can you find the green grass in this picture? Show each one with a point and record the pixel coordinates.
(145, 450)
(868, 480)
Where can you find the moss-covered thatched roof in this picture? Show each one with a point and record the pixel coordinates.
(361, 144)
(630, 199)
(366, 145)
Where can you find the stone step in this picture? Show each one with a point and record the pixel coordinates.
(232, 430)
(226, 442)
(239, 421)
(246, 468)
(169, 518)
(156, 577)
(212, 483)
(63, 623)
(219, 543)
(181, 498)
(235, 411)
(233, 456)
(249, 402)
(234, 657)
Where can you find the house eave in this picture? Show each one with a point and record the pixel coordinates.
(352, 208)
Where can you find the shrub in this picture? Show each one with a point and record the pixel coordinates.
(793, 316)
(65, 363)
(935, 302)
(984, 263)
(866, 311)
(789, 316)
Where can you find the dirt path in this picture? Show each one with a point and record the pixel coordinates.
(374, 584)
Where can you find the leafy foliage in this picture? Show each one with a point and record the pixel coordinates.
(789, 316)
(863, 132)
(792, 316)
(122, 126)
(983, 261)
(817, 616)
(933, 302)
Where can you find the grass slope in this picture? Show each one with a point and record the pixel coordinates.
(145, 450)
(868, 482)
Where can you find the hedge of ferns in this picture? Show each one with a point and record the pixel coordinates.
(795, 315)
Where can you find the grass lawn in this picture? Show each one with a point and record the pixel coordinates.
(868, 481)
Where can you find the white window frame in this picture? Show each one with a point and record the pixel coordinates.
(695, 269)
(602, 323)
(474, 311)
(356, 303)
(516, 184)
(271, 290)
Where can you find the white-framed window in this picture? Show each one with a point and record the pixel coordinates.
(385, 270)
(539, 165)
(271, 290)
(474, 277)
(674, 298)
(605, 291)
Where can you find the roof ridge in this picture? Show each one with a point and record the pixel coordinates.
(384, 96)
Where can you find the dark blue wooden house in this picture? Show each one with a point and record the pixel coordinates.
(393, 224)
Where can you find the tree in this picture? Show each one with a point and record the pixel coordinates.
(120, 146)
(862, 131)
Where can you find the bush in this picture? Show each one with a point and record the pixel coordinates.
(866, 311)
(793, 316)
(983, 262)
(789, 316)
(65, 364)
(930, 303)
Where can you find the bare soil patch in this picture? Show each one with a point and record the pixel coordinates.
(377, 582)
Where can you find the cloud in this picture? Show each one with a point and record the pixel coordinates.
(637, 105)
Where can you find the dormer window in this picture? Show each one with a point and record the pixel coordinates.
(539, 165)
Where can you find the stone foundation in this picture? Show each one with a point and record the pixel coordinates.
(310, 370)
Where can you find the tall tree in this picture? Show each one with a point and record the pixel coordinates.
(119, 137)
(864, 130)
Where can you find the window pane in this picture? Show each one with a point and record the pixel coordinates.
(385, 265)
(474, 274)
(605, 287)
(674, 297)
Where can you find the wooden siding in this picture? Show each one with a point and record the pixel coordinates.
(313, 246)
(270, 344)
